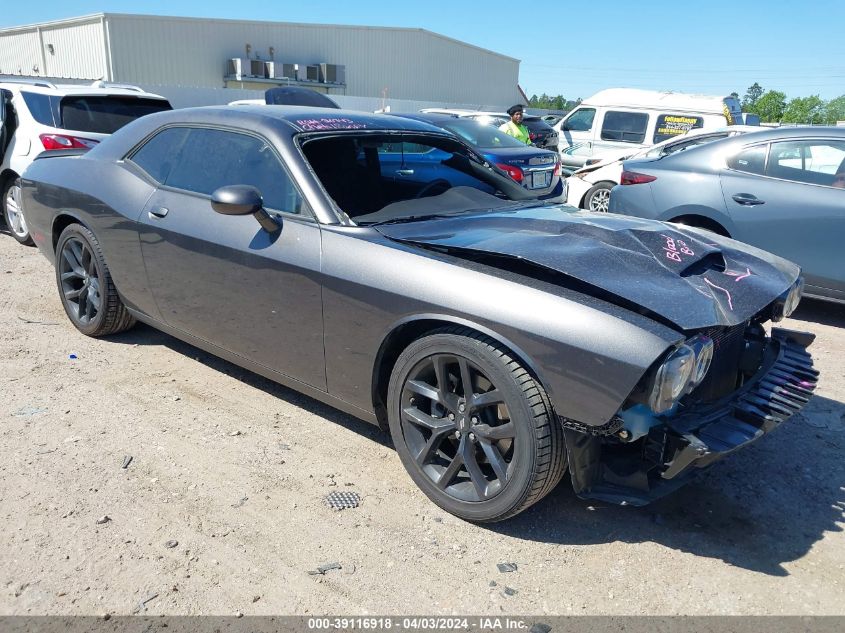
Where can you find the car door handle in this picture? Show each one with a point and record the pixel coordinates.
(160, 212)
(404, 172)
(748, 200)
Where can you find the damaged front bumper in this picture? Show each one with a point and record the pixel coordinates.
(640, 472)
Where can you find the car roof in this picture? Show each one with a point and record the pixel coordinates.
(310, 119)
(801, 131)
(97, 89)
(694, 155)
(277, 122)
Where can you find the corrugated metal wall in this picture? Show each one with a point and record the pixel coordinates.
(20, 52)
(70, 48)
(79, 50)
(409, 63)
(186, 97)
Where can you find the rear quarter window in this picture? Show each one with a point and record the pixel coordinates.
(751, 160)
(39, 107)
(158, 155)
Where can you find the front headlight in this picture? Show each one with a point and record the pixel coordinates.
(787, 303)
(703, 348)
(671, 379)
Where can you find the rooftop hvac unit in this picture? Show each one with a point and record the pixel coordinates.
(237, 66)
(308, 72)
(257, 68)
(332, 74)
(278, 70)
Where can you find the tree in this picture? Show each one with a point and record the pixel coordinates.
(835, 110)
(805, 110)
(770, 107)
(752, 96)
(735, 95)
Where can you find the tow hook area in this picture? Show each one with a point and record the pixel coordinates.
(642, 471)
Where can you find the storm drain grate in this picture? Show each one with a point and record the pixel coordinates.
(343, 500)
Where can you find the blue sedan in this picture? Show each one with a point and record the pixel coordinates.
(535, 169)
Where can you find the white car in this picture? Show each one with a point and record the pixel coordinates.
(589, 187)
(37, 116)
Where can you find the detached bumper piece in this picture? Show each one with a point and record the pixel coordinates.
(671, 453)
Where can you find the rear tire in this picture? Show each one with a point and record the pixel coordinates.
(85, 285)
(13, 211)
(597, 198)
(473, 428)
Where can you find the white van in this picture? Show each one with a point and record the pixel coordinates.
(616, 121)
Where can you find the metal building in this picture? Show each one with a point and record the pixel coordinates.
(363, 61)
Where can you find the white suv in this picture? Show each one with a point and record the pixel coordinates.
(37, 116)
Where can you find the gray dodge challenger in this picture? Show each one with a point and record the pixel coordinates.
(380, 265)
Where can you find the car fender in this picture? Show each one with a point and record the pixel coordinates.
(714, 215)
(411, 327)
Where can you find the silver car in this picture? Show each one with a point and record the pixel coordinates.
(782, 190)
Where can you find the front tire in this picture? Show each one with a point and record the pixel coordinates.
(474, 429)
(597, 199)
(13, 211)
(85, 285)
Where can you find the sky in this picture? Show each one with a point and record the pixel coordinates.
(573, 48)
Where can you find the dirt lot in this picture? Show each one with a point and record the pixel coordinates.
(221, 508)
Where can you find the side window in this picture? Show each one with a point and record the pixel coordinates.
(39, 106)
(628, 127)
(816, 162)
(403, 148)
(669, 125)
(212, 159)
(579, 121)
(157, 156)
(751, 160)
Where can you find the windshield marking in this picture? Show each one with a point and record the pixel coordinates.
(333, 123)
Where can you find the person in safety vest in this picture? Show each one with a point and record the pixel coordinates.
(514, 127)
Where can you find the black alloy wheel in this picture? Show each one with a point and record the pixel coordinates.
(473, 428)
(85, 285)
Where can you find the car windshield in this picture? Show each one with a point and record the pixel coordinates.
(386, 177)
(479, 134)
(106, 114)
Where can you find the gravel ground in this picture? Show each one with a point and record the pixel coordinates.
(220, 510)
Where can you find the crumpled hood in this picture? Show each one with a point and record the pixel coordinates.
(693, 278)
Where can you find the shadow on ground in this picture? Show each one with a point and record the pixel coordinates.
(823, 312)
(143, 334)
(759, 509)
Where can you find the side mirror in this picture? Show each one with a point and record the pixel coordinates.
(244, 200)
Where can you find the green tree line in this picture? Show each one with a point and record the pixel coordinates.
(772, 107)
(546, 102)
